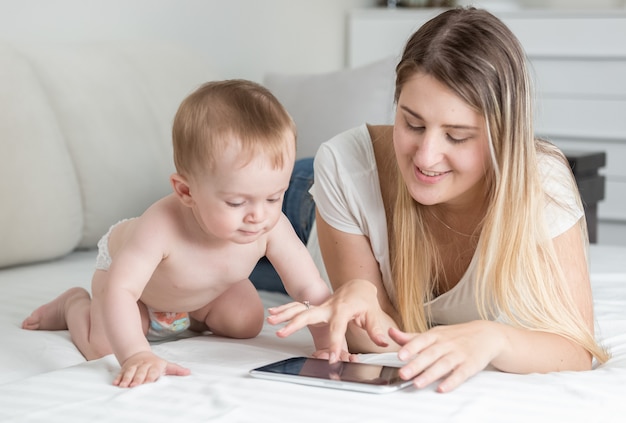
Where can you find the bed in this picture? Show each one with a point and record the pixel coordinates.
(71, 166)
(43, 377)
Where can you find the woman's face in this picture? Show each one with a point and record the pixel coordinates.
(441, 144)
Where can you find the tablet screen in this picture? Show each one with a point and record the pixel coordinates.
(346, 375)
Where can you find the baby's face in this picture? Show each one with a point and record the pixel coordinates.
(241, 200)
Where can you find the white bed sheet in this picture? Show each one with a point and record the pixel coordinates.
(43, 377)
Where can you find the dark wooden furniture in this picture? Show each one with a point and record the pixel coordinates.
(585, 166)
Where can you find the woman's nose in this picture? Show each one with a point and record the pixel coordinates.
(429, 149)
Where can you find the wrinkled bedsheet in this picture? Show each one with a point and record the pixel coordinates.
(43, 377)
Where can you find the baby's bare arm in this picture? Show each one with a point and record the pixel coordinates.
(137, 252)
(301, 278)
(133, 264)
(294, 264)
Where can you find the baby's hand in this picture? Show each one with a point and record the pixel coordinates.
(146, 367)
(286, 312)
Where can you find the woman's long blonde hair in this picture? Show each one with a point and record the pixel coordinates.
(518, 274)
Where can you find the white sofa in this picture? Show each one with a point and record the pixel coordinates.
(85, 133)
(85, 141)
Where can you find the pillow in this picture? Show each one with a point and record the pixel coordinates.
(323, 105)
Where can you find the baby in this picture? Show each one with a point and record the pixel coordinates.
(184, 263)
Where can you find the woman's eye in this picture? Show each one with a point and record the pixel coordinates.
(414, 127)
(457, 140)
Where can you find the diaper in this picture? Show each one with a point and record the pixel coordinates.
(166, 324)
(103, 260)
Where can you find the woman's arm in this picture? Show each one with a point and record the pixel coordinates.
(359, 310)
(457, 352)
(351, 266)
(558, 353)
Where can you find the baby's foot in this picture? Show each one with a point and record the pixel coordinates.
(51, 316)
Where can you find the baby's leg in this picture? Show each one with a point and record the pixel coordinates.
(237, 313)
(87, 330)
(74, 310)
(54, 315)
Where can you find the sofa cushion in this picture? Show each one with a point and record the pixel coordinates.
(40, 216)
(115, 104)
(323, 105)
(85, 138)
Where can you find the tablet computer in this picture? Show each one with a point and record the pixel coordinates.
(353, 376)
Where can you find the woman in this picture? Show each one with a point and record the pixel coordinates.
(455, 232)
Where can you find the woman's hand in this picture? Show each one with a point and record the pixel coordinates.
(319, 331)
(146, 367)
(454, 352)
(344, 355)
(354, 303)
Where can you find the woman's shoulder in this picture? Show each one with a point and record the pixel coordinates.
(353, 139)
(352, 150)
(563, 206)
(553, 169)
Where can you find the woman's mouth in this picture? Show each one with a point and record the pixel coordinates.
(429, 176)
(430, 173)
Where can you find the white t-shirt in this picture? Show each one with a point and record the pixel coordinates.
(347, 195)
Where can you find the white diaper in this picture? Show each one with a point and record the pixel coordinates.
(103, 260)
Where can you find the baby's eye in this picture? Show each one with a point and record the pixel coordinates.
(273, 200)
(231, 204)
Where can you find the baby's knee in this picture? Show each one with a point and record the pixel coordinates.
(243, 324)
(97, 349)
(248, 325)
(77, 294)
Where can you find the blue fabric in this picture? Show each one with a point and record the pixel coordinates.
(299, 207)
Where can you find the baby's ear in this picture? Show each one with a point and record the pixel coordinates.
(181, 189)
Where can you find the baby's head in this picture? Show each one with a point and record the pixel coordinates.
(221, 114)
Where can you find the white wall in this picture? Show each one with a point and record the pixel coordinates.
(242, 38)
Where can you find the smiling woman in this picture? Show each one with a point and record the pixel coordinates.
(459, 240)
(441, 148)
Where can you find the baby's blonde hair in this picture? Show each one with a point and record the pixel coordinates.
(222, 112)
